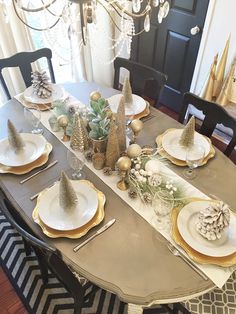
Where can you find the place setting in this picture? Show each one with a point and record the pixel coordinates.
(181, 146)
(206, 231)
(69, 208)
(42, 93)
(22, 152)
(135, 106)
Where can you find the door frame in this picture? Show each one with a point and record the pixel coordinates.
(207, 24)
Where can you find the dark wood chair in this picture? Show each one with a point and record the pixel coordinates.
(23, 61)
(144, 80)
(50, 258)
(214, 114)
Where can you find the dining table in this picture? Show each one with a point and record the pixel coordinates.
(131, 259)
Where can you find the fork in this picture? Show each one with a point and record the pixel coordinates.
(177, 253)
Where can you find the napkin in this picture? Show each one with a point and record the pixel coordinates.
(67, 195)
(187, 136)
(127, 92)
(14, 138)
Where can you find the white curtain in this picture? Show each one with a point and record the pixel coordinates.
(14, 37)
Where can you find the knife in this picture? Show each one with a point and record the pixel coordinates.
(41, 170)
(105, 227)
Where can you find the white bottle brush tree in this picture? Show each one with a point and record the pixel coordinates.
(42, 87)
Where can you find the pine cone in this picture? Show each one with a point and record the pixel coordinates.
(107, 171)
(132, 193)
(89, 156)
(147, 198)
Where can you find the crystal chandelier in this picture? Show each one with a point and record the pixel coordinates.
(122, 14)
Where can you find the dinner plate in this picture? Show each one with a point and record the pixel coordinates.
(34, 146)
(58, 218)
(186, 223)
(57, 93)
(139, 104)
(170, 143)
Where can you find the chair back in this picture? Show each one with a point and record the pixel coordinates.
(214, 114)
(144, 80)
(23, 61)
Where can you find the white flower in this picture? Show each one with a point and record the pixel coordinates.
(132, 170)
(155, 180)
(137, 166)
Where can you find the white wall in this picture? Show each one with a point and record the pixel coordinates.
(220, 22)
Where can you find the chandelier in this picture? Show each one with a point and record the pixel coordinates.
(122, 14)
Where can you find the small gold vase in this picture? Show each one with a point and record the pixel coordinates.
(98, 160)
(99, 146)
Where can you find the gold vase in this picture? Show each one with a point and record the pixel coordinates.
(99, 146)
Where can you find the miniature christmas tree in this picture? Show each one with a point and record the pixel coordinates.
(79, 138)
(14, 138)
(187, 136)
(113, 151)
(121, 125)
(41, 85)
(213, 220)
(127, 92)
(67, 195)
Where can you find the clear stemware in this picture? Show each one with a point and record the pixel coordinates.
(76, 162)
(33, 116)
(194, 157)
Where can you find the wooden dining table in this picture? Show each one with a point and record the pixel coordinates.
(130, 259)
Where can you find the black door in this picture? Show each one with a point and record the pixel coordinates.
(171, 48)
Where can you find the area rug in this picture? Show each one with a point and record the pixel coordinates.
(24, 274)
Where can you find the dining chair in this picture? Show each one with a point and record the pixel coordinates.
(49, 258)
(213, 114)
(144, 80)
(23, 61)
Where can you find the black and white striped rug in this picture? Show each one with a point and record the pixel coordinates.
(24, 274)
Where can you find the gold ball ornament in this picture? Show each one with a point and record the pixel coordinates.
(124, 163)
(136, 125)
(95, 96)
(62, 120)
(134, 150)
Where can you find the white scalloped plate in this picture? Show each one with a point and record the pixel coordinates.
(138, 106)
(57, 94)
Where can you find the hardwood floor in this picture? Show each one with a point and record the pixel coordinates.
(9, 300)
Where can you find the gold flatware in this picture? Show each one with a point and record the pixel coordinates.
(38, 172)
(177, 253)
(105, 227)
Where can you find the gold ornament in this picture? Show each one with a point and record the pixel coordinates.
(134, 150)
(136, 126)
(95, 96)
(113, 150)
(124, 164)
(79, 138)
(63, 122)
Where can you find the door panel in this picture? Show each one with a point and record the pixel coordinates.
(170, 48)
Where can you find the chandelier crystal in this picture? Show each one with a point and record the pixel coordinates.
(122, 14)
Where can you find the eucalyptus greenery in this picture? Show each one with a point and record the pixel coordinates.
(99, 121)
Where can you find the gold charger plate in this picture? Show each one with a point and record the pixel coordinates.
(30, 105)
(225, 261)
(178, 162)
(27, 168)
(142, 114)
(79, 232)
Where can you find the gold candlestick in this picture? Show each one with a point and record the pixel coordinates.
(63, 122)
(136, 126)
(124, 164)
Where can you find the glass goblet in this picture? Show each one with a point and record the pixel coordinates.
(194, 157)
(76, 162)
(33, 116)
(163, 203)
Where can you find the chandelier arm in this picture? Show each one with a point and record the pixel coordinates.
(47, 8)
(131, 14)
(34, 28)
(37, 9)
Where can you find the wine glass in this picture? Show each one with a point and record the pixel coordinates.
(163, 203)
(194, 157)
(33, 116)
(76, 162)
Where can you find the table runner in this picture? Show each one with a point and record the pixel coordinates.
(217, 274)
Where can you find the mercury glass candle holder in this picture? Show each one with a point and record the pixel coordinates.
(136, 126)
(124, 164)
(63, 122)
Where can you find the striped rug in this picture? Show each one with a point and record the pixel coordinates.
(24, 274)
